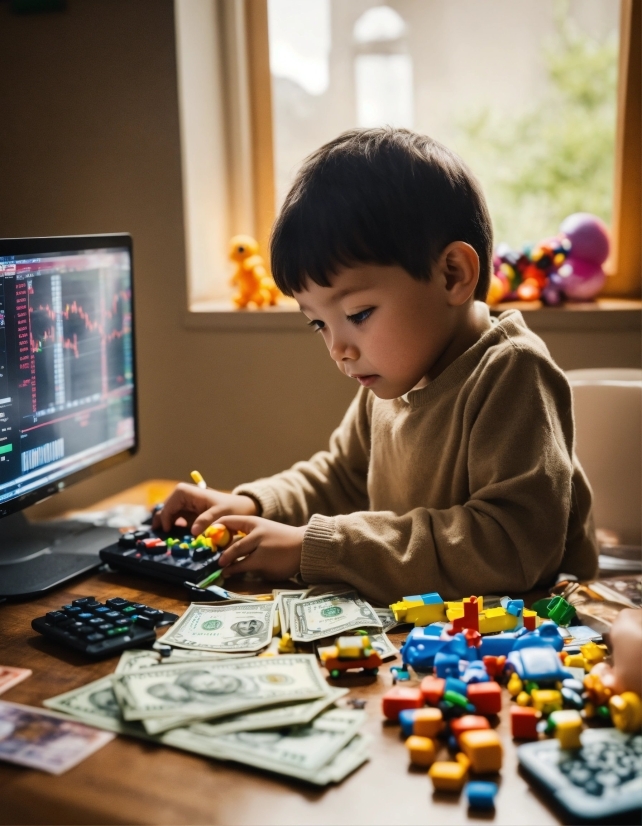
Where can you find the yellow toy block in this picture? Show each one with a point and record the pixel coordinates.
(484, 750)
(576, 661)
(417, 612)
(494, 620)
(528, 614)
(454, 610)
(523, 699)
(428, 722)
(515, 685)
(421, 749)
(568, 727)
(546, 700)
(592, 653)
(626, 711)
(450, 776)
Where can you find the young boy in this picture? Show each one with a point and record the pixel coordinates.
(453, 469)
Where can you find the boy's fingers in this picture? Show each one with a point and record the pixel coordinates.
(240, 523)
(242, 547)
(205, 519)
(247, 564)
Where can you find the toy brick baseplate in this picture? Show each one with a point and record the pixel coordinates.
(174, 555)
(348, 654)
(102, 630)
(600, 781)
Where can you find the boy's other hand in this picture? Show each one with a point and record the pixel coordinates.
(199, 508)
(270, 549)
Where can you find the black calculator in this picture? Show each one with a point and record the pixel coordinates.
(170, 556)
(103, 629)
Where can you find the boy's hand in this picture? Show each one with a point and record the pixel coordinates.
(270, 549)
(199, 508)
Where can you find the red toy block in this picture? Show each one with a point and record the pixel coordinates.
(432, 689)
(470, 618)
(486, 697)
(490, 664)
(469, 722)
(399, 698)
(523, 722)
(530, 623)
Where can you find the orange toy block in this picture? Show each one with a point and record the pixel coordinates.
(428, 722)
(450, 776)
(399, 698)
(432, 689)
(486, 697)
(483, 749)
(422, 750)
(523, 722)
(469, 722)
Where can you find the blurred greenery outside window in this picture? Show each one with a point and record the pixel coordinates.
(525, 92)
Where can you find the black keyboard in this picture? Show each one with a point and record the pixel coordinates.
(103, 629)
(169, 556)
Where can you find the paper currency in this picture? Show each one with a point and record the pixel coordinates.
(330, 615)
(222, 628)
(296, 714)
(284, 600)
(388, 621)
(42, 740)
(382, 645)
(208, 690)
(302, 752)
(10, 676)
(221, 593)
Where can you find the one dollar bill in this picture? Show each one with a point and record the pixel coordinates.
(329, 615)
(237, 627)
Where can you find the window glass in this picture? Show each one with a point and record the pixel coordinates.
(524, 91)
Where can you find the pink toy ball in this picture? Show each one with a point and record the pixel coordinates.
(579, 280)
(589, 236)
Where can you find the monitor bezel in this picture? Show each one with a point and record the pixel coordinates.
(75, 243)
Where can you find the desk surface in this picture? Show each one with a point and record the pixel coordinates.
(132, 781)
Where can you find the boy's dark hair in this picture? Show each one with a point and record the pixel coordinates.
(381, 196)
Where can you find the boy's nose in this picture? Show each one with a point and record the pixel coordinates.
(342, 351)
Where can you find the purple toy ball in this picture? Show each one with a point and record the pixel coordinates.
(589, 236)
(551, 295)
(579, 280)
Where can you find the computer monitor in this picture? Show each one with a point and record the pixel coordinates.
(67, 393)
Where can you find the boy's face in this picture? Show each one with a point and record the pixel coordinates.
(382, 327)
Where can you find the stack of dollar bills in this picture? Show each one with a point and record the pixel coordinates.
(208, 692)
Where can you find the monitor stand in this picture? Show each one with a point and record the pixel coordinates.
(38, 556)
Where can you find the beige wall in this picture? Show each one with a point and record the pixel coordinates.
(89, 143)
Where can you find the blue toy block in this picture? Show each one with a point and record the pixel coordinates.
(481, 794)
(427, 599)
(454, 684)
(475, 673)
(538, 663)
(435, 629)
(547, 634)
(407, 719)
(497, 645)
(419, 649)
(446, 664)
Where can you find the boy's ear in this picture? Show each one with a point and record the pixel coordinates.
(459, 265)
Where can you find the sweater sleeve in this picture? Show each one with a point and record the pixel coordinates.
(333, 481)
(507, 537)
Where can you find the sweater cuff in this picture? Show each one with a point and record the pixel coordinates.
(264, 496)
(318, 561)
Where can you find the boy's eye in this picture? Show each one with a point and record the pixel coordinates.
(316, 325)
(359, 318)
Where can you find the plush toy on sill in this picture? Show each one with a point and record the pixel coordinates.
(253, 283)
(566, 267)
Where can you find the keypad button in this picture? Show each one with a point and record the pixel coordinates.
(93, 604)
(129, 610)
(113, 615)
(95, 637)
(56, 616)
(84, 630)
(142, 534)
(152, 613)
(122, 622)
(116, 632)
(67, 625)
(145, 622)
(82, 601)
(101, 611)
(106, 626)
(117, 602)
(85, 615)
(95, 621)
(71, 610)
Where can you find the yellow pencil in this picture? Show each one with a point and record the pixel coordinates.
(198, 480)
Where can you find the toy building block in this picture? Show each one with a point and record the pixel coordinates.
(568, 727)
(455, 684)
(406, 720)
(530, 620)
(427, 722)
(422, 609)
(348, 654)
(399, 698)
(494, 665)
(576, 661)
(475, 673)
(469, 722)
(626, 711)
(515, 685)
(450, 776)
(483, 749)
(524, 699)
(560, 611)
(593, 653)
(524, 722)
(498, 644)
(537, 663)
(496, 620)
(469, 617)
(420, 648)
(421, 750)
(486, 697)
(447, 664)
(481, 794)
(546, 700)
(432, 689)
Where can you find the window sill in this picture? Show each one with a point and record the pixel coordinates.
(603, 314)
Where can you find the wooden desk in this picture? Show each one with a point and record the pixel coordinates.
(131, 781)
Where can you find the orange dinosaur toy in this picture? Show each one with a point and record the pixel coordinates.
(251, 279)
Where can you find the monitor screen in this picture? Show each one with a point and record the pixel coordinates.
(67, 392)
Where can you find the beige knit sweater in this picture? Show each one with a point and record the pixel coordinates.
(470, 486)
